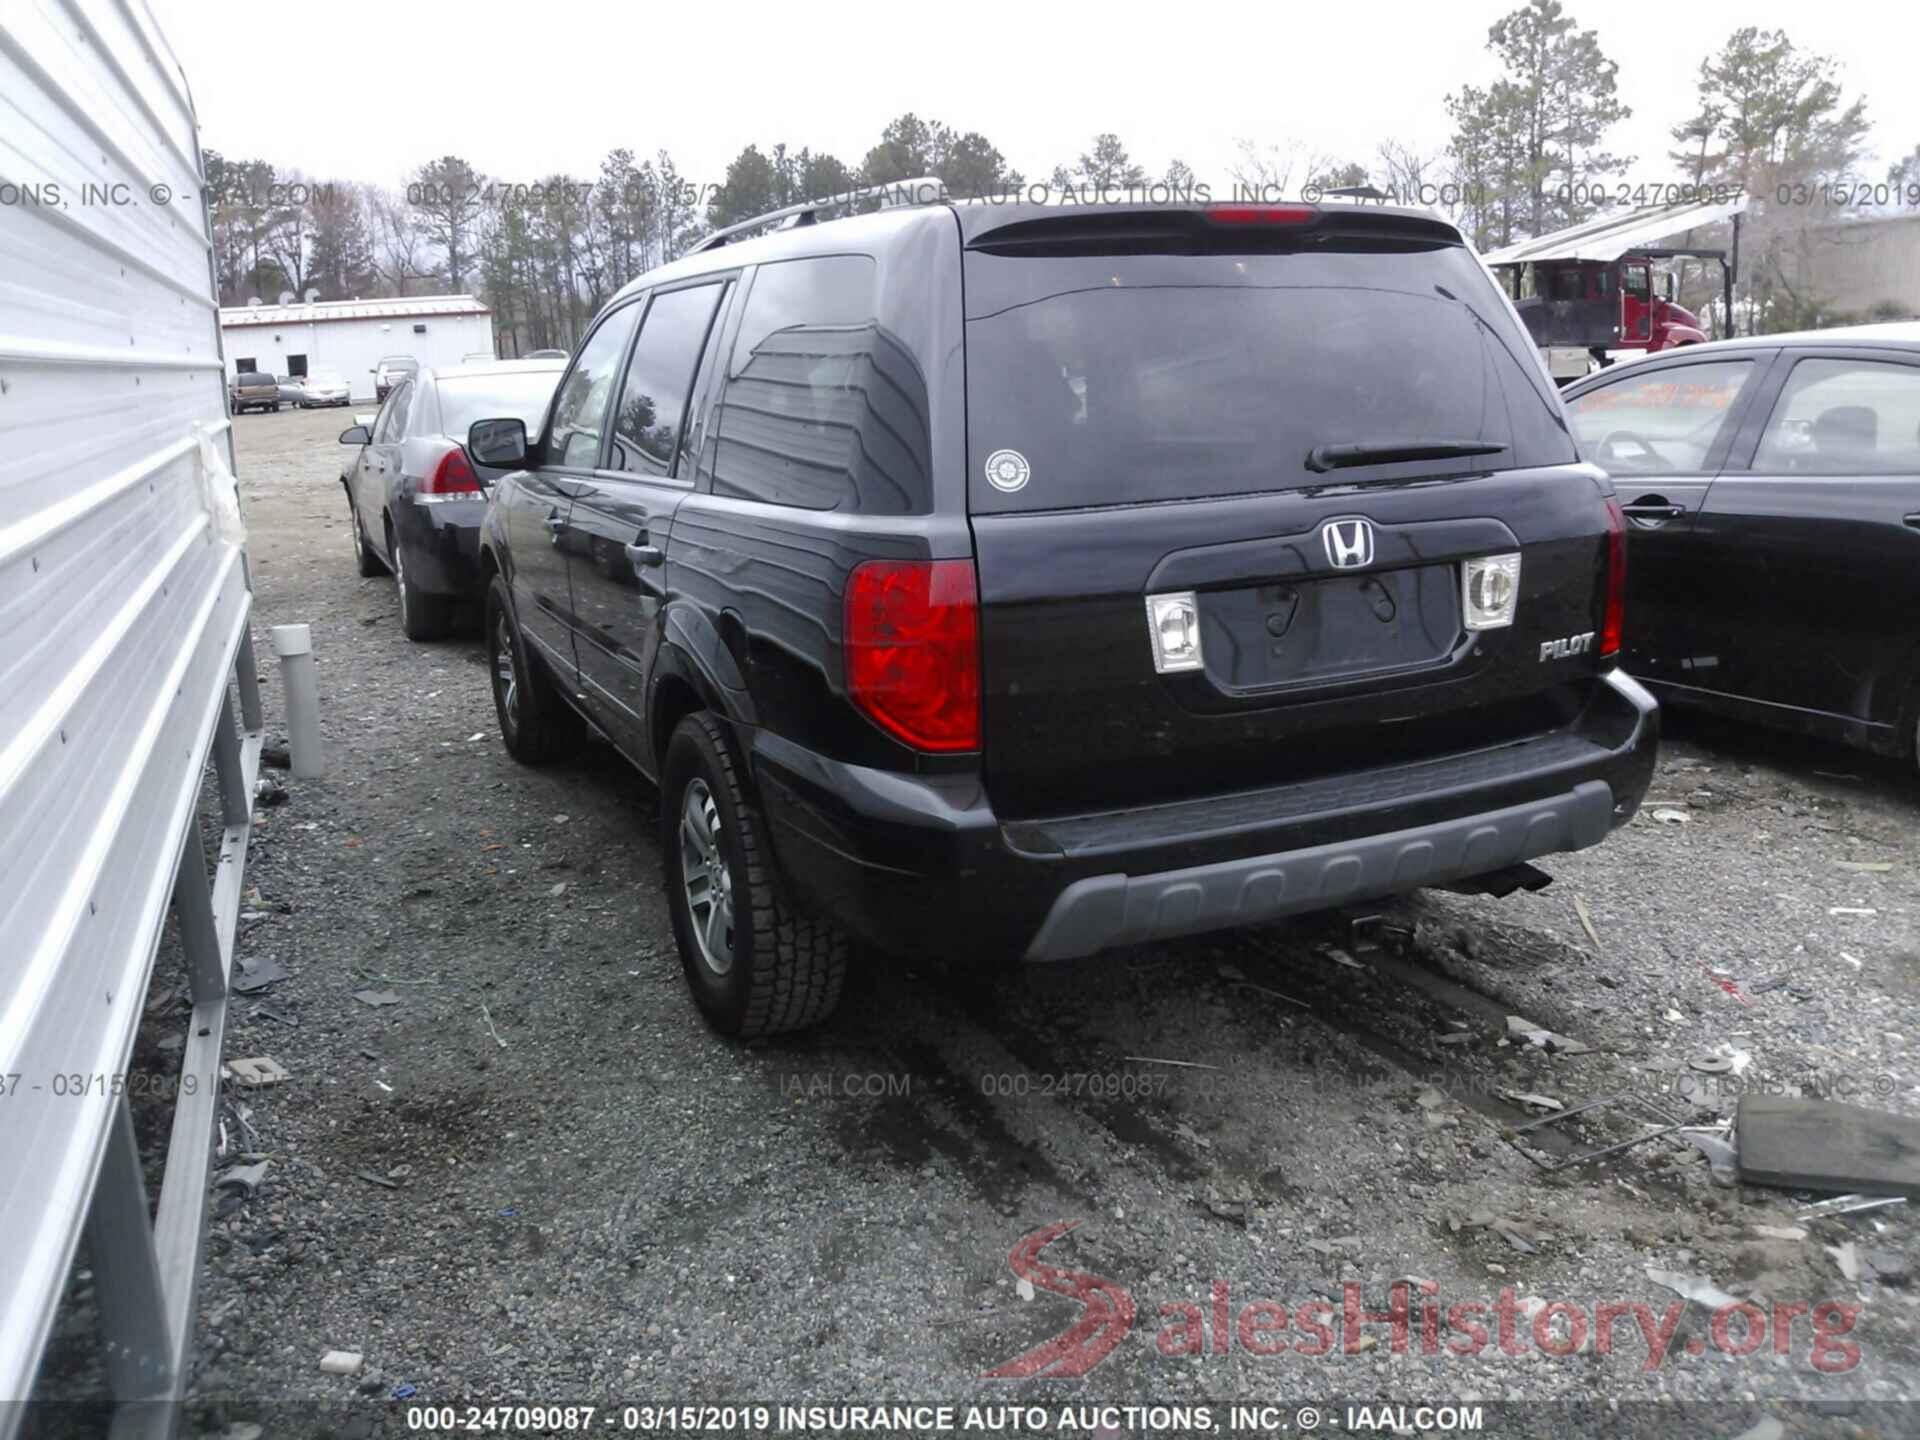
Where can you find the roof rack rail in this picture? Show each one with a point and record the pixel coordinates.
(926, 190)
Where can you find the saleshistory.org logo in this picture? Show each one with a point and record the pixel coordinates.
(1414, 1316)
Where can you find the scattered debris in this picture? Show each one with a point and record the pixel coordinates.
(1723, 1059)
(1541, 1038)
(1826, 1145)
(1586, 921)
(1870, 867)
(1847, 1205)
(484, 1015)
(260, 1070)
(1847, 1257)
(268, 791)
(557, 891)
(1184, 1064)
(376, 998)
(1629, 1100)
(1890, 1266)
(245, 1178)
(372, 1179)
(1338, 1245)
(1712, 1141)
(1672, 817)
(1341, 957)
(281, 1017)
(1533, 1101)
(1768, 1428)
(1853, 960)
(1779, 1232)
(1696, 1288)
(405, 1390)
(341, 1362)
(1518, 1238)
(1269, 990)
(1023, 1287)
(251, 977)
(276, 756)
(1851, 910)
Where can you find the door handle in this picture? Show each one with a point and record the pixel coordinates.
(1651, 511)
(555, 524)
(1911, 520)
(646, 555)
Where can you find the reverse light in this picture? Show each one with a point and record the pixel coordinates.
(913, 651)
(1613, 623)
(1173, 622)
(451, 479)
(1490, 591)
(1262, 214)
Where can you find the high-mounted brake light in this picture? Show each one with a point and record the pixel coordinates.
(1614, 622)
(913, 650)
(451, 479)
(1262, 214)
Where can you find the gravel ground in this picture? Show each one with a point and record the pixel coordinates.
(537, 1175)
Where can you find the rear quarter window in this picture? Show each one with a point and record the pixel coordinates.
(822, 408)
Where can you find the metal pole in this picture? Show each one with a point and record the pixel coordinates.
(294, 645)
(1731, 270)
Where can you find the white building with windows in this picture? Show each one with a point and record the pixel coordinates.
(353, 336)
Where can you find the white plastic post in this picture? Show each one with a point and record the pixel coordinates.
(294, 645)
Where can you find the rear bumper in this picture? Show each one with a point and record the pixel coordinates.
(442, 542)
(915, 864)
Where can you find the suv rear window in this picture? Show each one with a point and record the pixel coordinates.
(1115, 379)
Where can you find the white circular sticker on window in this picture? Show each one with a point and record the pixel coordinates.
(1008, 471)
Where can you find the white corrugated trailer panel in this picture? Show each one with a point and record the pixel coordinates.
(120, 607)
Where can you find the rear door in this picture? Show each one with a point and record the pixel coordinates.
(622, 515)
(1812, 538)
(370, 471)
(539, 501)
(1309, 433)
(1662, 430)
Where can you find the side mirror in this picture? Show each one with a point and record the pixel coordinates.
(498, 444)
(356, 435)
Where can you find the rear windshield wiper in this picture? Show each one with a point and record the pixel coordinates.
(1383, 452)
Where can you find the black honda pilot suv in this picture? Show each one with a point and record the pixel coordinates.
(990, 581)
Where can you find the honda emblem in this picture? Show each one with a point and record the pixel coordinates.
(1349, 543)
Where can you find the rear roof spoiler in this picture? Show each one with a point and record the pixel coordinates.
(1029, 227)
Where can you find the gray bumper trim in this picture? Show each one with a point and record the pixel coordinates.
(1107, 910)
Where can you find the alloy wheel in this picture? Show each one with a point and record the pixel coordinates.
(506, 677)
(706, 878)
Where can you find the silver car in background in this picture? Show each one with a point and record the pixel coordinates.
(417, 496)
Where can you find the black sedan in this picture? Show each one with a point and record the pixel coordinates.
(1772, 487)
(417, 497)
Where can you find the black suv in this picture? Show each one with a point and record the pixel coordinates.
(1008, 580)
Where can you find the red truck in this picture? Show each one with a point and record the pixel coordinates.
(1600, 286)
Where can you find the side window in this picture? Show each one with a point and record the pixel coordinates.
(393, 415)
(653, 402)
(580, 406)
(822, 409)
(1662, 423)
(1845, 417)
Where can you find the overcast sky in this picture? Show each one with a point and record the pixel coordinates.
(366, 89)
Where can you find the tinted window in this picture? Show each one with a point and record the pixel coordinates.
(1113, 379)
(1664, 422)
(522, 394)
(580, 408)
(653, 402)
(822, 408)
(1845, 417)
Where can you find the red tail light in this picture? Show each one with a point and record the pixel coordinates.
(1615, 620)
(1262, 214)
(452, 476)
(913, 650)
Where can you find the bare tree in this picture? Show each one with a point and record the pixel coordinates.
(400, 251)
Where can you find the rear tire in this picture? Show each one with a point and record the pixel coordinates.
(422, 617)
(757, 963)
(535, 723)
